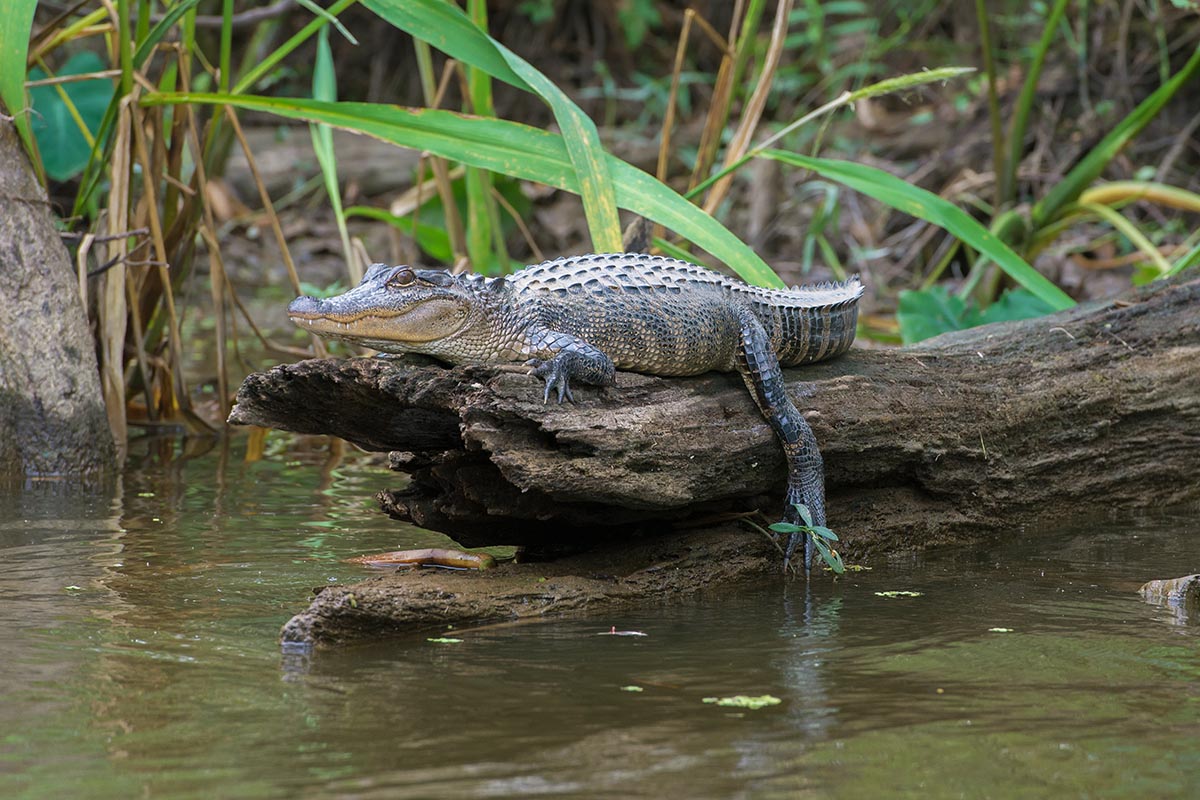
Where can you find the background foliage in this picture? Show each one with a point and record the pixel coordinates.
(976, 163)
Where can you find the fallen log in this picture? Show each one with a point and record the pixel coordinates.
(965, 435)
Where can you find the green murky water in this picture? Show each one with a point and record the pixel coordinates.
(138, 658)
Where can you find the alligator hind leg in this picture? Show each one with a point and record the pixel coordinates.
(759, 367)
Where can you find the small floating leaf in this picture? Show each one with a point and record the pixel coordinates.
(744, 701)
(632, 689)
(899, 594)
(1000, 630)
(73, 588)
(444, 640)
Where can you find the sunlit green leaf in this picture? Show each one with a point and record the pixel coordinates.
(15, 25)
(913, 200)
(447, 28)
(513, 149)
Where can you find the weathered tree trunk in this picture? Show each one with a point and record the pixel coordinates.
(52, 417)
(965, 435)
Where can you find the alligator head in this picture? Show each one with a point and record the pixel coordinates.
(393, 309)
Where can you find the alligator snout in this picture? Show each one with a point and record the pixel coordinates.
(305, 306)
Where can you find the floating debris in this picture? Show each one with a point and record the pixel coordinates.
(899, 594)
(614, 632)
(744, 701)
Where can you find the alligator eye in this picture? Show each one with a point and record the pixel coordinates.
(403, 276)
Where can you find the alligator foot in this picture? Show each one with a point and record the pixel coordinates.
(789, 551)
(554, 373)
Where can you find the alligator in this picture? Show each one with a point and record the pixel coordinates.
(577, 320)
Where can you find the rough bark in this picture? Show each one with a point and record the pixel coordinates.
(965, 435)
(52, 417)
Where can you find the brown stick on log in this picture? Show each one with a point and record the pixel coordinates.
(968, 434)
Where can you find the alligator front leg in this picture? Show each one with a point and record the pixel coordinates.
(759, 367)
(561, 358)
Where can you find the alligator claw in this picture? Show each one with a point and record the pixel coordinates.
(554, 376)
(789, 550)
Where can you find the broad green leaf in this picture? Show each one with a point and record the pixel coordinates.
(931, 312)
(786, 527)
(15, 25)
(824, 533)
(923, 314)
(64, 149)
(447, 28)
(513, 149)
(829, 555)
(898, 194)
(1013, 304)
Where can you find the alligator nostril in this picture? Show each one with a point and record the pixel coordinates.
(304, 305)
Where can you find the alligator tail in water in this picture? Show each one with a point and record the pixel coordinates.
(579, 319)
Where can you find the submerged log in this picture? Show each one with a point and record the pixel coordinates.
(965, 435)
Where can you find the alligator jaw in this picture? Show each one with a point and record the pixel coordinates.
(413, 324)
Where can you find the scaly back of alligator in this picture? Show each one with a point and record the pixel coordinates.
(805, 323)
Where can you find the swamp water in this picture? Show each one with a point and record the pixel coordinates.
(138, 658)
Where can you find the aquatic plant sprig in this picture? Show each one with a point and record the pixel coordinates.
(818, 534)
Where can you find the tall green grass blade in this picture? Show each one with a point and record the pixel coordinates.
(993, 100)
(1016, 135)
(125, 46)
(913, 200)
(483, 218)
(1130, 232)
(225, 61)
(1151, 192)
(325, 88)
(330, 18)
(147, 44)
(447, 28)
(16, 23)
(1189, 260)
(898, 83)
(1089, 168)
(300, 37)
(512, 149)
